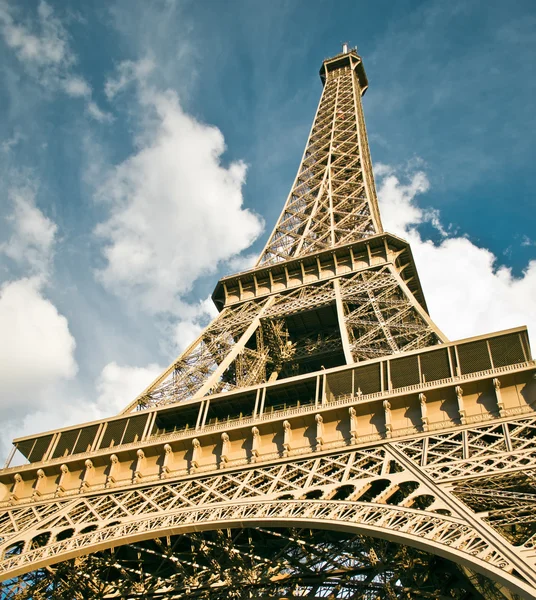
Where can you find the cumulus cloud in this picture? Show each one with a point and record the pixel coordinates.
(242, 263)
(37, 347)
(116, 387)
(175, 210)
(193, 319)
(466, 291)
(399, 214)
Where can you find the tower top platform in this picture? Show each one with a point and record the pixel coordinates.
(347, 58)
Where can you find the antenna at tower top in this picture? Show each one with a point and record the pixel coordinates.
(345, 47)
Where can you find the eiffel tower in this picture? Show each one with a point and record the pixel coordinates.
(320, 439)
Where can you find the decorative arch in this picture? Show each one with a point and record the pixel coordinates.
(442, 535)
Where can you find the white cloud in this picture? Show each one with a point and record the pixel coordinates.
(57, 406)
(466, 292)
(185, 332)
(119, 385)
(398, 212)
(46, 48)
(32, 241)
(193, 319)
(37, 348)
(42, 46)
(99, 115)
(77, 87)
(175, 210)
(236, 264)
(127, 72)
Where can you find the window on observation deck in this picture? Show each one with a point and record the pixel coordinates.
(34, 449)
(176, 418)
(232, 407)
(124, 431)
(506, 350)
(292, 395)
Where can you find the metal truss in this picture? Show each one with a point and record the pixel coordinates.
(368, 510)
(332, 204)
(202, 361)
(259, 563)
(410, 493)
(333, 199)
(481, 451)
(249, 342)
(381, 319)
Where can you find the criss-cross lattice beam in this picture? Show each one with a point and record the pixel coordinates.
(415, 492)
(382, 479)
(451, 535)
(388, 490)
(333, 199)
(378, 316)
(382, 316)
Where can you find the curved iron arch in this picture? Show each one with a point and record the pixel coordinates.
(444, 536)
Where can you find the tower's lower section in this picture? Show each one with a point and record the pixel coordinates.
(444, 514)
(259, 563)
(408, 476)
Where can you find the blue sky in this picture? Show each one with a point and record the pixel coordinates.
(147, 148)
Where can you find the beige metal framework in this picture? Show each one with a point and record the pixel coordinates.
(321, 438)
(333, 199)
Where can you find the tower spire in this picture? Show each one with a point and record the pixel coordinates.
(333, 198)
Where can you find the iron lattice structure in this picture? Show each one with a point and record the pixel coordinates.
(333, 199)
(320, 439)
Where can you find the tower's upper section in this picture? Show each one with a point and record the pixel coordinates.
(333, 199)
(347, 58)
